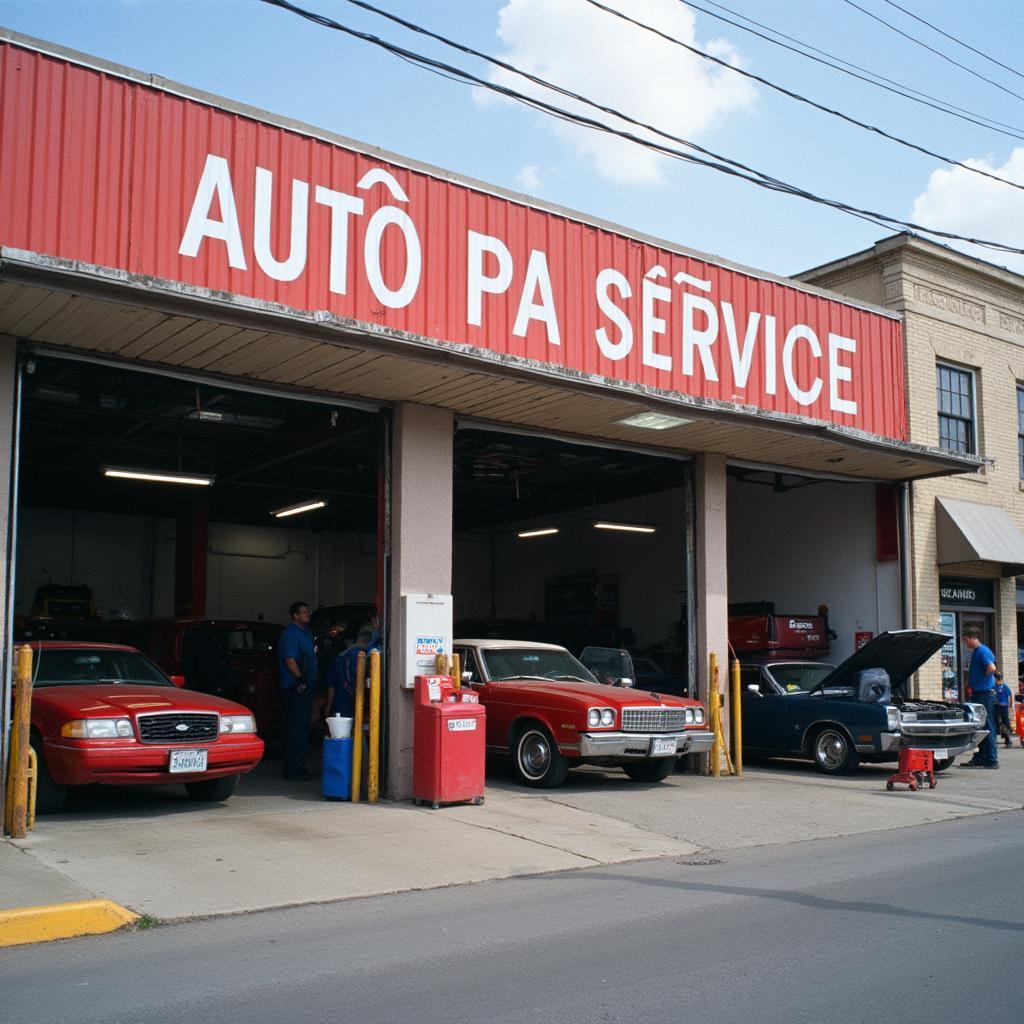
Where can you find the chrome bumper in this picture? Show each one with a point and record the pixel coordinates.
(929, 737)
(638, 744)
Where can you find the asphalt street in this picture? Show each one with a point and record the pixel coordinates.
(915, 925)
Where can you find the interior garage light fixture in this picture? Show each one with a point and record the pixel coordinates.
(159, 477)
(624, 527)
(294, 510)
(653, 421)
(546, 532)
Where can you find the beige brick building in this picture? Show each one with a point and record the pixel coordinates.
(964, 341)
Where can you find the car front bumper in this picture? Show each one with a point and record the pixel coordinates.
(86, 762)
(949, 737)
(638, 744)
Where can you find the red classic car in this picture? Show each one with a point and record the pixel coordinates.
(104, 713)
(548, 711)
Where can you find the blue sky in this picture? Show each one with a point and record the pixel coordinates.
(271, 59)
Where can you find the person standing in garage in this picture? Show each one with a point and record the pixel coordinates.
(981, 683)
(296, 656)
(341, 679)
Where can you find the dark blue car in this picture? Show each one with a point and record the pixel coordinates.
(838, 716)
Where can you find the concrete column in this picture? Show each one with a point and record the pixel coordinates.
(712, 597)
(421, 553)
(8, 397)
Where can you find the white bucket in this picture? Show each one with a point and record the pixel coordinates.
(341, 728)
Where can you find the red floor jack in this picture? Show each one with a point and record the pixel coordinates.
(916, 768)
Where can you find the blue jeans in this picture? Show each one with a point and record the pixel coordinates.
(987, 751)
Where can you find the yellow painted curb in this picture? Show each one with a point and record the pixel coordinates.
(61, 921)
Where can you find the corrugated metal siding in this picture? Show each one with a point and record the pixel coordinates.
(103, 170)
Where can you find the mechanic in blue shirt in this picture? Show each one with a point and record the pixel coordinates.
(296, 659)
(1003, 711)
(981, 684)
(341, 678)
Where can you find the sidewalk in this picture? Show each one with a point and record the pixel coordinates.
(277, 844)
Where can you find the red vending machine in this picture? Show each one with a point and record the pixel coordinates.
(448, 744)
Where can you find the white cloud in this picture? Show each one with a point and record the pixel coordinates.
(529, 178)
(575, 45)
(956, 200)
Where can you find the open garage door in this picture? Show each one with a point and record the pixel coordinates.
(575, 544)
(184, 516)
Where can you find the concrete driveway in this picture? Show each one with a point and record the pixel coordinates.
(278, 844)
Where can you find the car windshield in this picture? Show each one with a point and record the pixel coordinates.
(529, 662)
(799, 677)
(247, 638)
(82, 666)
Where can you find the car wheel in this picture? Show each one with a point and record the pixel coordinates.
(213, 790)
(942, 763)
(833, 752)
(50, 795)
(538, 761)
(657, 769)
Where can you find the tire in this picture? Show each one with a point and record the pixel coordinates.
(657, 769)
(50, 795)
(213, 790)
(537, 760)
(833, 751)
(942, 763)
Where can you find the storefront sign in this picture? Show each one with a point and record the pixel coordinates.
(116, 173)
(966, 593)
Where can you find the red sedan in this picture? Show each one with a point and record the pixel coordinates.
(104, 713)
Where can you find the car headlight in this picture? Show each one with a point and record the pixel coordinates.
(688, 717)
(607, 716)
(978, 713)
(698, 716)
(98, 729)
(892, 718)
(237, 723)
(598, 717)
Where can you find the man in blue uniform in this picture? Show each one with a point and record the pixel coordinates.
(981, 682)
(296, 659)
(341, 679)
(1003, 694)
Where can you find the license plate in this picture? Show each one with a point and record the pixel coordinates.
(187, 761)
(939, 754)
(660, 746)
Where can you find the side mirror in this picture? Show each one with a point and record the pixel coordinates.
(753, 688)
(178, 680)
(625, 681)
(467, 678)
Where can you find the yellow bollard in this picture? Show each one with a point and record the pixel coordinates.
(16, 802)
(373, 773)
(33, 783)
(457, 671)
(715, 711)
(357, 728)
(737, 716)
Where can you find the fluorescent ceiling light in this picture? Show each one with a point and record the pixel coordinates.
(546, 532)
(294, 510)
(159, 477)
(653, 421)
(625, 527)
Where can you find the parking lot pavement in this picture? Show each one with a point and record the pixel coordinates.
(278, 844)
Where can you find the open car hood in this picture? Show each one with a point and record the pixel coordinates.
(901, 653)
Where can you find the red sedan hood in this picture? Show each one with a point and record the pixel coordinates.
(99, 701)
(598, 694)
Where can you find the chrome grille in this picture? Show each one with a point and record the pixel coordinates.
(167, 728)
(652, 719)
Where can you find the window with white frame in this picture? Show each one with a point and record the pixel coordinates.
(1020, 429)
(955, 394)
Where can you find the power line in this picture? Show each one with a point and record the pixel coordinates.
(959, 42)
(858, 72)
(931, 49)
(747, 174)
(797, 96)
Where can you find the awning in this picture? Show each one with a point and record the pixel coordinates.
(969, 531)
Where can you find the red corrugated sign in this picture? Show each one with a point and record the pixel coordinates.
(120, 174)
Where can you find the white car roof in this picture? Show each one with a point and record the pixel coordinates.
(529, 645)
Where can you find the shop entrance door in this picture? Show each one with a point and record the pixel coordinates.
(981, 622)
(955, 661)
